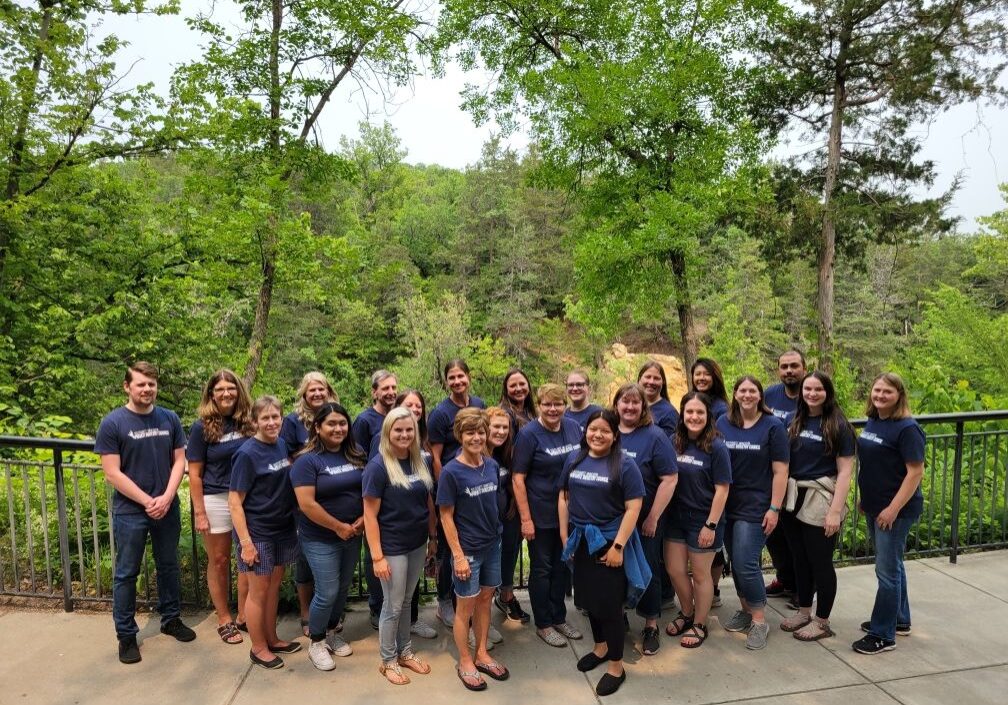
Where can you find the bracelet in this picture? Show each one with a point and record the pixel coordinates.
(775, 510)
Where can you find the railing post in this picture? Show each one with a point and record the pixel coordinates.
(956, 491)
(64, 531)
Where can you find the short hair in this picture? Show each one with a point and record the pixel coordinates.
(264, 402)
(469, 419)
(902, 410)
(551, 391)
(579, 372)
(793, 351)
(147, 369)
(634, 388)
(379, 376)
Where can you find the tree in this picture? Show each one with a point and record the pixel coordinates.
(857, 76)
(640, 107)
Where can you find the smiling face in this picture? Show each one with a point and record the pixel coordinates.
(599, 437)
(629, 409)
(401, 436)
(577, 389)
(500, 428)
(141, 390)
(385, 394)
(551, 411)
(413, 403)
(884, 397)
(474, 441)
(268, 422)
(316, 395)
(694, 416)
(703, 380)
(333, 430)
(517, 388)
(225, 396)
(814, 395)
(457, 381)
(651, 381)
(748, 397)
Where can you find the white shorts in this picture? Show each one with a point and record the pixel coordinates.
(218, 513)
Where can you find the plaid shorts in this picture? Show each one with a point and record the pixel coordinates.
(271, 554)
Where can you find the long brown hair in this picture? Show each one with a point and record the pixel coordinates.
(704, 441)
(349, 447)
(735, 411)
(210, 415)
(834, 424)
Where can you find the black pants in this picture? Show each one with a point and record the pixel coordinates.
(548, 578)
(601, 590)
(812, 550)
(783, 562)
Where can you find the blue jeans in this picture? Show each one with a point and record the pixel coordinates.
(332, 563)
(548, 578)
(745, 541)
(485, 571)
(649, 605)
(130, 534)
(393, 627)
(511, 539)
(892, 605)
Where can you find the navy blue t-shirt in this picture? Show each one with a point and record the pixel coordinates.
(582, 416)
(441, 422)
(752, 450)
(539, 455)
(403, 516)
(261, 470)
(504, 492)
(216, 457)
(293, 432)
(808, 451)
(473, 494)
(367, 427)
(664, 416)
(146, 445)
(779, 403)
(337, 484)
(719, 408)
(591, 497)
(655, 457)
(699, 471)
(885, 446)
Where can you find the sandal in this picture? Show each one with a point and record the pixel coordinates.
(679, 625)
(795, 622)
(242, 626)
(497, 671)
(393, 674)
(304, 627)
(813, 631)
(414, 663)
(696, 631)
(229, 633)
(481, 684)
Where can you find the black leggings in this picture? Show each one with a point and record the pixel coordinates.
(812, 551)
(609, 629)
(601, 591)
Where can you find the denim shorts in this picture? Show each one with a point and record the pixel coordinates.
(271, 555)
(485, 571)
(684, 527)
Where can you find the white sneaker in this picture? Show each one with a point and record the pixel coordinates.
(494, 636)
(490, 643)
(446, 613)
(335, 643)
(423, 630)
(320, 657)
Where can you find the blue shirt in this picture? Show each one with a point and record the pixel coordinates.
(719, 408)
(699, 471)
(337, 484)
(779, 403)
(592, 497)
(261, 470)
(367, 427)
(664, 416)
(884, 449)
(752, 451)
(808, 451)
(293, 432)
(582, 416)
(441, 423)
(654, 455)
(216, 457)
(403, 516)
(473, 494)
(539, 455)
(146, 445)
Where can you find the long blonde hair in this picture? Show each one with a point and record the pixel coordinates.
(393, 469)
(301, 408)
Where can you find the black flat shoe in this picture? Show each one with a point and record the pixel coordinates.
(273, 664)
(590, 662)
(292, 647)
(608, 684)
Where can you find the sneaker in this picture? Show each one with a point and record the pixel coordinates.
(374, 620)
(776, 589)
(174, 628)
(649, 641)
(552, 637)
(320, 656)
(716, 600)
(758, 633)
(738, 622)
(335, 643)
(494, 636)
(339, 626)
(446, 613)
(423, 630)
(568, 631)
(871, 645)
(129, 652)
(511, 609)
(490, 642)
(901, 628)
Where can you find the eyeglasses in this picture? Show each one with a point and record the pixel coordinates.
(552, 405)
(576, 385)
(225, 390)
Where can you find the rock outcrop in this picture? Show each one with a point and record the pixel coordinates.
(620, 365)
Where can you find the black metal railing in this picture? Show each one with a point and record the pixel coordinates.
(56, 540)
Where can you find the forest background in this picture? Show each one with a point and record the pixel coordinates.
(201, 224)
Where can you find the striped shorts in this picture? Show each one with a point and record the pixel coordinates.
(272, 553)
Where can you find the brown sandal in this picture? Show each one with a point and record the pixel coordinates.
(795, 622)
(393, 674)
(696, 631)
(414, 663)
(813, 631)
(679, 625)
(229, 633)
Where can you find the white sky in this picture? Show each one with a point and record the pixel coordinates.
(434, 130)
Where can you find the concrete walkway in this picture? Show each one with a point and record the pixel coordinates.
(958, 653)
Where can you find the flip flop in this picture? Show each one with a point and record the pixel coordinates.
(471, 674)
(497, 671)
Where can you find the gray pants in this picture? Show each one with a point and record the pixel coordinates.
(394, 624)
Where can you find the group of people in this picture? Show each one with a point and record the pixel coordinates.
(609, 500)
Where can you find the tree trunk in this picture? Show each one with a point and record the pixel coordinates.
(257, 338)
(684, 308)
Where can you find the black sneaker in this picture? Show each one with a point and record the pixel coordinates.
(174, 627)
(873, 645)
(129, 652)
(649, 641)
(512, 609)
(901, 628)
(776, 589)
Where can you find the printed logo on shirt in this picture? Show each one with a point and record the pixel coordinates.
(278, 465)
(148, 433)
(690, 460)
(779, 414)
(485, 488)
(233, 436)
(869, 436)
(585, 476)
(630, 453)
(338, 469)
(811, 436)
(414, 478)
(743, 445)
(562, 450)
(502, 472)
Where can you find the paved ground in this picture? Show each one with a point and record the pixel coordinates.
(958, 653)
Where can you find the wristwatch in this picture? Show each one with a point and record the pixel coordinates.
(617, 546)
(711, 525)
(775, 510)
